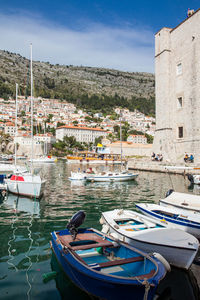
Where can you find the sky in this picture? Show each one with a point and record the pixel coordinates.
(115, 34)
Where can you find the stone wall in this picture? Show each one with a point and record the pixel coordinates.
(172, 47)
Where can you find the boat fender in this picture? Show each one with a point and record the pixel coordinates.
(101, 221)
(105, 228)
(162, 260)
(190, 178)
(169, 192)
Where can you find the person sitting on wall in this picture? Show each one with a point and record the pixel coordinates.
(186, 157)
(191, 158)
(153, 156)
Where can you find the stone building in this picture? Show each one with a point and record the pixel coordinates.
(177, 74)
(82, 134)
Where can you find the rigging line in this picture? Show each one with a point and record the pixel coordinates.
(26, 255)
(11, 240)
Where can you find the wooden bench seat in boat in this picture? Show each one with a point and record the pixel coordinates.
(83, 241)
(121, 261)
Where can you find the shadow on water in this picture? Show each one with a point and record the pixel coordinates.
(177, 285)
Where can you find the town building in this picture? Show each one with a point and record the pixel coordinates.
(81, 134)
(177, 75)
(138, 139)
(10, 128)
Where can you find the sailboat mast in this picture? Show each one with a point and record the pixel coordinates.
(16, 125)
(31, 67)
(121, 136)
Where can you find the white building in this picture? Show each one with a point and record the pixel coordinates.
(81, 134)
(177, 74)
(138, 139)
(9, 128)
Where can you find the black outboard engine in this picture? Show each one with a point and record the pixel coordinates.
(169, 193)
(76, 220)
(190, 178)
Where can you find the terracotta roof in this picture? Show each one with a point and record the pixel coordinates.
(81, 128)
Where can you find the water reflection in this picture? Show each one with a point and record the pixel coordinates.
(23, 204)
(25, 224)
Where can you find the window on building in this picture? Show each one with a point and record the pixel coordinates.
(180, 132)
(180, 102)
(179, 69)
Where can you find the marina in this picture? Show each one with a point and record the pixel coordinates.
(25, 229)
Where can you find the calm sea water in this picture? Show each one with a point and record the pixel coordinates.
(25, 227)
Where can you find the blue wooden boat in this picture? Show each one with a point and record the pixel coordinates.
(104, 267)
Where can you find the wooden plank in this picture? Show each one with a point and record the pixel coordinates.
(121, 261)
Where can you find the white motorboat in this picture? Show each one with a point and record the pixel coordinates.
(11, 168)
(78, 176)
(194, 179)
(179, 248)
(183, 201)
(112, 176)
(173, 217)
(44, 159)
(26, 184)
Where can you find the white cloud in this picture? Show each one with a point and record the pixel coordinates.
(125, 49)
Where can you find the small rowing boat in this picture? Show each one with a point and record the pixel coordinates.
(103, 267)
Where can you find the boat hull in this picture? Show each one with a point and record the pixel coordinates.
(172, 245)
(97, 284)
(193, 229)
(116, 178)
(27, 189)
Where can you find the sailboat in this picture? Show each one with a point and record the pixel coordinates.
(5, 167)
(26, 183)
(114, 176)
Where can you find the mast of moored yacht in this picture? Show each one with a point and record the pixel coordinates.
(31, 111)
(121, 136)
(16, 125)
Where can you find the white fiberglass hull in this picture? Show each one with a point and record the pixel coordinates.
(30, 188)
(11, 168)
(43, 160)
(183, 201)
(112, 178)
(177, 246)
(78, 176)
(185, 223)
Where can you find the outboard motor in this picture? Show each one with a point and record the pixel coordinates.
(190, 178)
(169, 192)
(76, 221)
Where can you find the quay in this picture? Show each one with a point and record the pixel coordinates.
(146, 164)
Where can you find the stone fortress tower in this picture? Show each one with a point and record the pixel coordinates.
(177, 75)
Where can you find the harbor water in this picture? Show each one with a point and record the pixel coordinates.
(25, 226)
